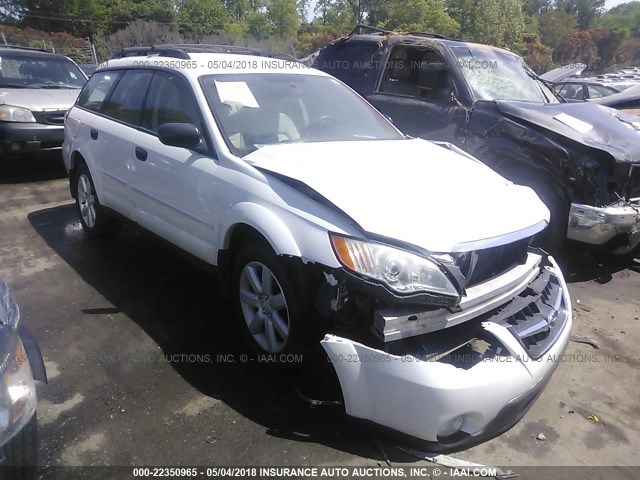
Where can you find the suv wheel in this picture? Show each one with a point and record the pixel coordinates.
(267, 301)
(96, 222)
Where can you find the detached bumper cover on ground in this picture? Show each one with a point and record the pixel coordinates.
(459, 397)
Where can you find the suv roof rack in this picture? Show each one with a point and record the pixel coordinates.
(20, 47)
(362, 29)
(182, 50)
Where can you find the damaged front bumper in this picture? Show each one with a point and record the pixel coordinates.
(459, 386)
(599, 225)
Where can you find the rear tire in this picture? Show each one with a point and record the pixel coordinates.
(95, 219)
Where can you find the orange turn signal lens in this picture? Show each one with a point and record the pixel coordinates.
(342, 251)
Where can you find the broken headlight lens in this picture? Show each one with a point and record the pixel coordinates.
(402, 271)
(9, 311)
(17, 386)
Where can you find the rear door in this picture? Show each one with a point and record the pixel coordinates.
(174, 186)
(117, 158)
(85, 122)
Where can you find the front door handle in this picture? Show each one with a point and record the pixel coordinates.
(141, 154)
(94, 134)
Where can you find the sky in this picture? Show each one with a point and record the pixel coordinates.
(612, 3)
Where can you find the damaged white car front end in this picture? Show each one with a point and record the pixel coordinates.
(446, 323)
(457, 387)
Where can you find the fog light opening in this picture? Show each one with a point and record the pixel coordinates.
(451, 427)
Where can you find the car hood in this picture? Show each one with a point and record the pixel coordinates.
(39, 99)
(595, 126)
(412, 190)
(628, 95)
(560, 73)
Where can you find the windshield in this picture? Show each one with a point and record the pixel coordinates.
(20, 70)
(499, 75)
(258, 109)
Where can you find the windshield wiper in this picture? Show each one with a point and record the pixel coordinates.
(14, 85)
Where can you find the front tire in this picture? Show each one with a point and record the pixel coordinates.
(268, 302)
(95, 220)
(552, 238)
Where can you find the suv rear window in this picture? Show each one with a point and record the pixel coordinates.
(97, 89)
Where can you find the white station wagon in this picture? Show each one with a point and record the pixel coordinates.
(408, 260)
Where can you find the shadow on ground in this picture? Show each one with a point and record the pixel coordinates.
(33, 168)
(581, 263)
(177, 304)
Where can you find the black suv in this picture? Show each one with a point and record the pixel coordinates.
(582, 159)
(37, 88)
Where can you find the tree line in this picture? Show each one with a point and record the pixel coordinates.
(547, 33)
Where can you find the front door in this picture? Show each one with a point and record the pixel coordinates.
(417, 92)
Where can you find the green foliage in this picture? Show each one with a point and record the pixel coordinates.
(586, 12)
(496, 22)
(283, 15)
(201, 17)
(421, 16)
(556, 27)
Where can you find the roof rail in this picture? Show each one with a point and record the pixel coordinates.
(150, 51)
(182, 50)
(361, 29)
(20, 47)
(426, 34)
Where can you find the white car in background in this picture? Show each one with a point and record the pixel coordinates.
(410, 257)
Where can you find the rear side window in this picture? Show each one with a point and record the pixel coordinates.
(572, 91)
(97, 89)
(126, 101)
(170, 101)
(355, 63)
(417, 72)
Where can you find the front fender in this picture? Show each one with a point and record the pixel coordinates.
(264, 221)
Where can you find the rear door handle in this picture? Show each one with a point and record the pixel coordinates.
(94, 134)
(141, 154)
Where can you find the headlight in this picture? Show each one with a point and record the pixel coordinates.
(402, 271)
(9, 113)
(9, 311)
(17, 387)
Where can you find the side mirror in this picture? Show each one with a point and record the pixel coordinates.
(452, 98)
(184, 135)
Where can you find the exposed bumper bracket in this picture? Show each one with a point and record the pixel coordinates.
(598, 225)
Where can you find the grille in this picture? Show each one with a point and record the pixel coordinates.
(536, 316)
(50, 118)
(482, 265)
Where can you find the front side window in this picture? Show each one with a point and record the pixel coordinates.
(170, 101)
(258, 109)
(495, 74)
(30, 70)
(97, 88)
(126, 101)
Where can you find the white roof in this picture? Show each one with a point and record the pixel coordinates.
(215, 63)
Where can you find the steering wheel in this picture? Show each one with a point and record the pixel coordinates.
(325, 121)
